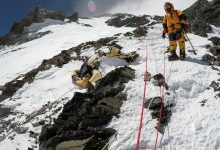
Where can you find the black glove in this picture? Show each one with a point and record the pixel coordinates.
(164, 35)
(185, 27)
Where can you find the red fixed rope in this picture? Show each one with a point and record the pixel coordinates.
(162, 99)
(144, 95)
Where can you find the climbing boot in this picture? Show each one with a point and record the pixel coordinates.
(168, 49)
(182, 55)
(173, 57)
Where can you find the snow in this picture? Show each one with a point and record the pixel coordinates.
(30, 55)
(191, 127)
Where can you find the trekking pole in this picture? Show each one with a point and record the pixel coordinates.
(194, 51)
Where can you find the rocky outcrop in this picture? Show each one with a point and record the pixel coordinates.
(215, 49)
(37, 16)
(59, 60)
(154, 104)
(203, 13)
(139, 32)
(81, 123)
(74, 17)
(158, 80)
(17, 35)
(11, 39)
(128, 20)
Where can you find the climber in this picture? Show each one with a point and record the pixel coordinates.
(89, 73)
(174, 24)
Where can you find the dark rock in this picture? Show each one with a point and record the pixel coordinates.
(74, 17)
(203, 102)
(22, 38)
(83, 117)
(128, 34)
(201, 14)
(208, 58)
(4, 112)
(128, 20)
(13, 125)
(1, 138)
(33, 135)
(56, 15)
(154, 104)
(215, 86)
(215, 50)
(140, 31)
(114, 102)
(215, 40)
(17, 34)
(158, 80)
(29, 148)
(217, 95)
(39, 123)
(73, 144)
(87, 25)
(21, 130)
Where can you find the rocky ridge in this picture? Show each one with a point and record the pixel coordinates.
(18, 33)
(81, 123)
(201, 14)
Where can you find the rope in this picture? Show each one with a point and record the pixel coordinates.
(129, 135)
(37, 113)
(110, 140)
(162, 98)
(143, 100)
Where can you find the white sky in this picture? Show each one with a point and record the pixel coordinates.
(151, 7)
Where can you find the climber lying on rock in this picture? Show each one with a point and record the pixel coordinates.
(88, 74)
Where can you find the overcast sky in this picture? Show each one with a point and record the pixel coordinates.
(15, 10)
(151, 7)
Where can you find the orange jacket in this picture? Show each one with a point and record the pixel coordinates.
(172, 20)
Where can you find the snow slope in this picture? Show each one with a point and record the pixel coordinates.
(191, 127)
(65, 35)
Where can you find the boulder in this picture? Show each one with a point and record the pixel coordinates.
(17, 34)
(158, 81)
(154, 104)
(81, 122)
(74, 17)
(73, 145)
(21, 130)
(201, 14)
(215, 86)
(128, 20)
(208, 58)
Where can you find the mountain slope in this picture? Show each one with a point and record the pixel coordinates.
(192, 126)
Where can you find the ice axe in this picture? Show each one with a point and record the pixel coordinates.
(194, 51)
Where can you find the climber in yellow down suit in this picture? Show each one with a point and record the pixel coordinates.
(89, 73)
(174, 24)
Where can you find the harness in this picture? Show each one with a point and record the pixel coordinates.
(85, 70)
(172, 24)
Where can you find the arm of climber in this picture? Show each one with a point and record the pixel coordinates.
(165, 28)
(182, 17)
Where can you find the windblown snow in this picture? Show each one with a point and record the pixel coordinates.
(192, 127)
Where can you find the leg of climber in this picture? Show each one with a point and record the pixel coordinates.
(181, 42)
(75, 75)
(96, 75)
(173, 56)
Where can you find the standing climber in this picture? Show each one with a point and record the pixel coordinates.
(174, 24)
(89, 73)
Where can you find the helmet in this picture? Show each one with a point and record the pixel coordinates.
(168, 7)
